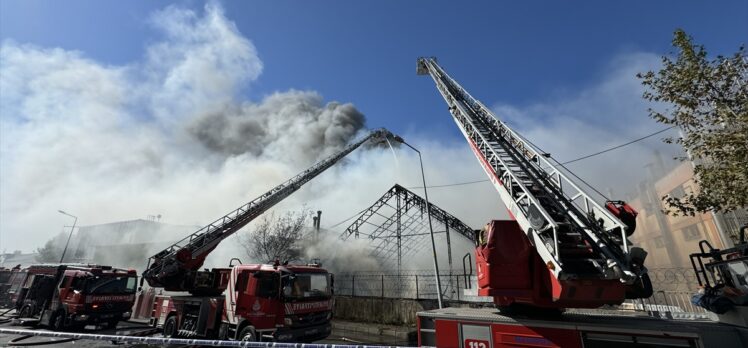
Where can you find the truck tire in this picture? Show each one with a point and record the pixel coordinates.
(248, 334)
(171, 329)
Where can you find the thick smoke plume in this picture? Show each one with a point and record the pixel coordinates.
(264, 129)
(172, 134)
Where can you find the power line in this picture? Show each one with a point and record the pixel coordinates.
(448, 185)
(561, 163)
(619, 146)
(351, 217)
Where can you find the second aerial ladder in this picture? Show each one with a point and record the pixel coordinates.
(581, 243)
(176, 268)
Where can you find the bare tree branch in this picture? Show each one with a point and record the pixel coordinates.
(276, 238)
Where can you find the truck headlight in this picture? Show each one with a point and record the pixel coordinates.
(81, 317)
(126, 315)
(288, 321)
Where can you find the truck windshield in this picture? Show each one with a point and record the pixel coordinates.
(111, 285)
(306, 285)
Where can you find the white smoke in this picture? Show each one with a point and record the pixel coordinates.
(605, 114)
(171, 135)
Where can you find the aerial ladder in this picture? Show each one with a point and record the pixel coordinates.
(176, 268)
(562, 248)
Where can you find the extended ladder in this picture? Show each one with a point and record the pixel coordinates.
(575, 236)
(169, 267)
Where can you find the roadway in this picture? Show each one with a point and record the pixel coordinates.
(138, 328)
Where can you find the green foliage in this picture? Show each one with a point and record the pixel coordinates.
(707, 99)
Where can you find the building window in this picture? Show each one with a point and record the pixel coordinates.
(659, 242)
(691, 232)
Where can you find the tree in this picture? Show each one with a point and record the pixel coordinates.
(52, 249)
(708, 101)
(276, 238)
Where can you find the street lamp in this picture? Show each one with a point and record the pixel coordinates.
(428, 212)
(70, 235)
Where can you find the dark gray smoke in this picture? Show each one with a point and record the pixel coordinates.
(294, 124)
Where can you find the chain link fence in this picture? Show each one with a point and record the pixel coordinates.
(673, 288)
(414, 285)
(665, 301)
(673, 279)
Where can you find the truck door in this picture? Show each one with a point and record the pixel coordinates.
(260, 300)
(64, 293)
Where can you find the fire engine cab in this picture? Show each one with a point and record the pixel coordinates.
(260, 302)
(245, 302)
(74, 295)
(7, 279)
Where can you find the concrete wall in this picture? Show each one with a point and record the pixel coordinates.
(388, 311)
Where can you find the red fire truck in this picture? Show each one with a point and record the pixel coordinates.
(485, 328)
(7, 276)
(16, 278)
(74, 295)
(261, 302)
(561, 249)
(244, 302)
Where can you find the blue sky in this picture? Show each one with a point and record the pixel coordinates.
(118, 110)
(364, 52)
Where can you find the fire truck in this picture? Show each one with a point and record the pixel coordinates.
(560, 249)
(9, 296)
(261, 302)
(74, 295)
(6, 278)
(249, 302)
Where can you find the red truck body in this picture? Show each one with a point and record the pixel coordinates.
(511, 271)
(260, 302)
(8, 278)
(485, 328)
(74, 295)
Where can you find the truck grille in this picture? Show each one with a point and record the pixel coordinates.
(111, 307)
(310, 319)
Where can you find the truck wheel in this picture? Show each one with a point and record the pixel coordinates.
(58, 321)
(170, 327)
(248, 334)
(112, 324)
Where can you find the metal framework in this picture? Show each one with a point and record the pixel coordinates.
(397, 226)
(553, 211)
